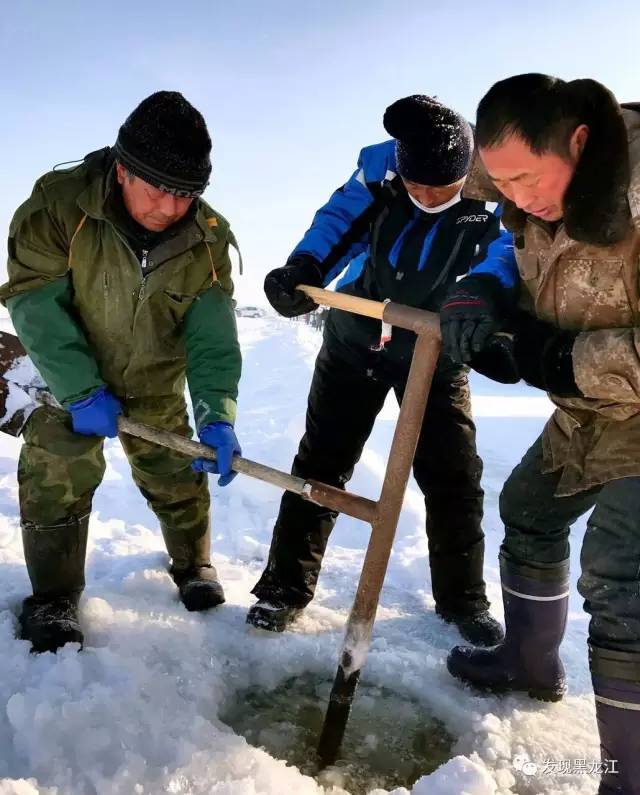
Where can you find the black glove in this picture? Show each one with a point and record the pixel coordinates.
(473, 311)
(497, 359)
(543, 353)
(280, 284)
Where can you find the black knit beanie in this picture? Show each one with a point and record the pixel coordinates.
(165, 142)
(434, 144)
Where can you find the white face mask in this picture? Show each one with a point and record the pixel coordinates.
(453, 200)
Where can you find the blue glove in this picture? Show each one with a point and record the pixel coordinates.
(96, 415)
(220, 436)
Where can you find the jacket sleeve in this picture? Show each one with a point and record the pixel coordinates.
(606, 364)
(340, 229)
(496, 254)
(39, 297)
(214, 361)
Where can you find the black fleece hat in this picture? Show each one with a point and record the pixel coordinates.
(165, 142)
(434, 144)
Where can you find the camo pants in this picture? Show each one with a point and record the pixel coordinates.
(59, 470)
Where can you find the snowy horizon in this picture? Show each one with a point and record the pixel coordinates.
(291, 91)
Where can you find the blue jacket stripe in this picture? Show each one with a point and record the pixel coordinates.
(394, 254)
(334, 220)
(500, 260)
(426, 246)
(356, 266)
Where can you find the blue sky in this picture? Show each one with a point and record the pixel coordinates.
(291, 90)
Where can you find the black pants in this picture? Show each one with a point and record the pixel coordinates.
(343, 404)
(537, 532)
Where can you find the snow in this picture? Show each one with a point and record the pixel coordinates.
(24, 373)
(137, 711)
(459, 776)
(356, 647)
(16, 400)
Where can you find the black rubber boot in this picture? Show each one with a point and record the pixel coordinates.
(55, 557)
(191, 568)
(481, 629)
(273, 616)
(616, 686)
(50, 623)
(535, 611)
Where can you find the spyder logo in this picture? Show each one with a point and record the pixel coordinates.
(481, 217)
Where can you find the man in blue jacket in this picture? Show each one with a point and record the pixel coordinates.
(402, 224)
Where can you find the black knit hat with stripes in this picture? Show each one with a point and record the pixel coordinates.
(165, 142)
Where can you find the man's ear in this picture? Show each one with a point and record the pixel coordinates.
(578, 141)
(121, 173)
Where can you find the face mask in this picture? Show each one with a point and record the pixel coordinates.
(453, 200)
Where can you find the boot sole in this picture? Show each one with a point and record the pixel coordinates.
(54, 648)
(47, 643)
(537, 693)
(202, 597)
(268, 620)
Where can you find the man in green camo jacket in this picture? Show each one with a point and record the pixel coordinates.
(120, 290)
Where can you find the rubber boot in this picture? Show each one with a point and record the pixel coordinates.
(191, 568)
(55, 557)
(616, 686)
(535, 610)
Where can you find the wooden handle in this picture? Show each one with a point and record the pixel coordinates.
(350, 303)
(196, 450)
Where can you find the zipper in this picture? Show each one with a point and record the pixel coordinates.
(142, 262)
(125, 242)
(448, 264)
(375, 231)
(141, 289)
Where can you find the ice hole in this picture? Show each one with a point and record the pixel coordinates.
(391, 740)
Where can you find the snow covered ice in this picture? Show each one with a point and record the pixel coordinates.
(138, 710)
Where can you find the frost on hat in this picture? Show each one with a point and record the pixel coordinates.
(434, 143)
(165, 142)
